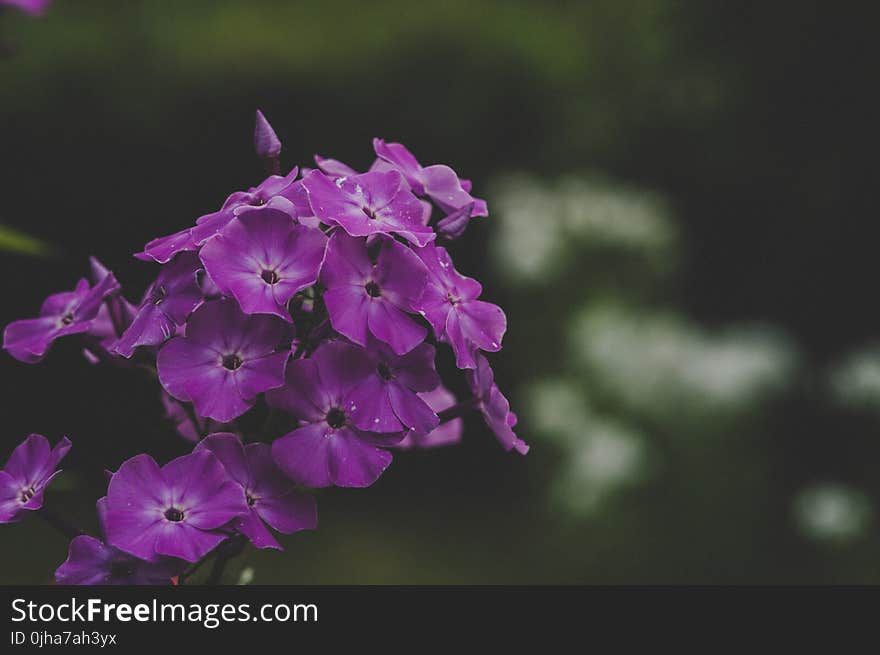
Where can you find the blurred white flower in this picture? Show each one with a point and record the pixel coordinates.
(601, 456)
(856, 380)
(608, 459)
(662, 366)
(832, 513)
(542, 227)
(559, 410)
(246, 576)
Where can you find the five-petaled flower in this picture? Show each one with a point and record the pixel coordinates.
(364, 297)
(329, 449)
(224, 361)
(377, 202)
(263, 258)
(27, 473)
(62, 314)
(178, 510)
(450, 303)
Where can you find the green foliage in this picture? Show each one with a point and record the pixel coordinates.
(12, 240)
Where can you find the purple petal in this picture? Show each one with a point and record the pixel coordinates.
(445, 434)
(161, 250)
(348, 308)
(319, 456)
(184, 541)
(369, 407)
(412, 411)
(443, 187)
(389, 324)
(253, 528)
(10, 498)
(403, 160)
(483, 324)
(292, 512)
(346, 262)
(181, 361)
(401, 274)
(227, 448)
(341, 367)
(302, 394)
(334, 167)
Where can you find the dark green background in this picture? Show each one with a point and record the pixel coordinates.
(121, 121)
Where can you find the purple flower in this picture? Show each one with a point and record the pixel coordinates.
(32, 7)
(266, 142)
(165, 306)
(370, 203)
(494, 406)
(329, 449)
(90, 561)
(387, 400)
(438, 182)
(445, 434)
(174, 511)
(450, 304)
(363, 297)
(263, 258)
(62, 314)
(271, 497)
(27, 473)
(225, 360)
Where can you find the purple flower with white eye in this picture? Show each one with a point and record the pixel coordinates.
(62, 314)
(494, 406)
(27, 473)
(91, 561)
(329, 449)
(445, 434)
(387, 400)
(364, 297)
(224, 361)
(450, 303)
(263, 258)
(371, 203)
(174, 511)
(438, 182)
(165, 306)
(271, 497)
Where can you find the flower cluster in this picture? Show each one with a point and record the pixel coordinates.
(320, 298)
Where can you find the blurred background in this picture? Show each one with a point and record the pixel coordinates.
(679, 196)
